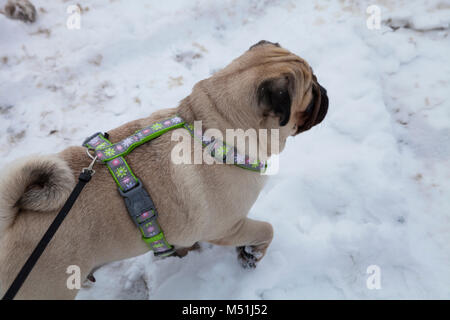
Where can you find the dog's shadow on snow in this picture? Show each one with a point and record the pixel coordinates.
(198, 275)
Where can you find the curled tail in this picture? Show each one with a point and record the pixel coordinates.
(38, 183)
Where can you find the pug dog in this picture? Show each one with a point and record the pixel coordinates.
(267, 87)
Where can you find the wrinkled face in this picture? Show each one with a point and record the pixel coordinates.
(280, 87)
(289, 90)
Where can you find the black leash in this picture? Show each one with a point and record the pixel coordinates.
(83, 179)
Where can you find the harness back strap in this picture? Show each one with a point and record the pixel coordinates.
(137, 200)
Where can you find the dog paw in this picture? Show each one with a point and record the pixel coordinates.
(182, 252)
(89, 281)
(21, 10)
(248, 257)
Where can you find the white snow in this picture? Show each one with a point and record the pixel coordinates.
(369, 186)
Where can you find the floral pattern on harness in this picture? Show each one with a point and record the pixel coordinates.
(121, 172)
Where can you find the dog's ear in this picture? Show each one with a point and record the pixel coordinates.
(274, 97)
(263, 42)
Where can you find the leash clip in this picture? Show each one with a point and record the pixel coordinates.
(88, 152)
(91, 166)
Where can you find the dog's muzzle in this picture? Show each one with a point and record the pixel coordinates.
(323, 108)
(316, 110)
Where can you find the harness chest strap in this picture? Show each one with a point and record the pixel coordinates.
(137, 200)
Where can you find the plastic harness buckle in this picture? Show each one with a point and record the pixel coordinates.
(140, 207)
(142, 211)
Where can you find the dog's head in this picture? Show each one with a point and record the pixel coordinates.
(267, 87)
(271, 85)
(288, 89)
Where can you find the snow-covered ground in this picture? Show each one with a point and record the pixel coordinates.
(369, 186)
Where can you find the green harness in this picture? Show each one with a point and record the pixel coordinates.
(139, 204)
